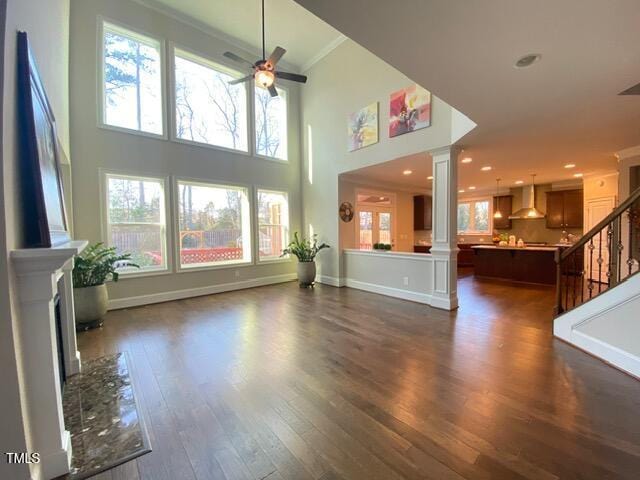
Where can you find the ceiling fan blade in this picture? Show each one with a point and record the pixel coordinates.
(292, 76)
(273, 91)
(276, 55)
(236, 58)
(240, 80)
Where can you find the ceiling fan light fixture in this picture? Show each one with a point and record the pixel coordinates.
(265, 78)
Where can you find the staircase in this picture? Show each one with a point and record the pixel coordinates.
(598, 292)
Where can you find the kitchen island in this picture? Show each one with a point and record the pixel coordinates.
(517, 264)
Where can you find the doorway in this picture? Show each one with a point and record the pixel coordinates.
(375, 215)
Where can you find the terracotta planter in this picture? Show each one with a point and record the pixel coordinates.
(90, 305)
(306, 274)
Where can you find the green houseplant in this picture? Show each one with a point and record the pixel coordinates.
(92, 268)
(305, 250)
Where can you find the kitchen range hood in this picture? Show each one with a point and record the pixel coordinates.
(528, 210)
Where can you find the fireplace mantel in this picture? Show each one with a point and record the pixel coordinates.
(42, 273)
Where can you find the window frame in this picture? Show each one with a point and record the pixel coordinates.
(209, 62)
(101, 95)
(176, 223)
(472, 201)
(256, 223)
(105, 229)
(287, 89)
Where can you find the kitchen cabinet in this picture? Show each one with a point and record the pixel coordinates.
(465, 255)
(523, 265)
(422, 212)
(504, 204)
(565, 209)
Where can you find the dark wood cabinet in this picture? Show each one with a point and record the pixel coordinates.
(516, 265)
(422, 211)
(504, 204)
(465, 255)
(565, 209)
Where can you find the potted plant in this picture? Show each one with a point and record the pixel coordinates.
(92, 268)
(382, 247)
(305, 251)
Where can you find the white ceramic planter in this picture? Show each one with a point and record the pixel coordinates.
(90, 305)
(306, 273)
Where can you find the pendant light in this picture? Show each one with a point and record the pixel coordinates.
(498, 213)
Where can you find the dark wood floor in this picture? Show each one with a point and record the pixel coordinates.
(283, 383)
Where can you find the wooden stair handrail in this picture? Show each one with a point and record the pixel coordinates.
(619, 210)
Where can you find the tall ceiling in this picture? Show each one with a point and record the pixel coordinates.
(305, 37)
(563, 109)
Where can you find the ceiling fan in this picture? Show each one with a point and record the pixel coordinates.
(264, 70)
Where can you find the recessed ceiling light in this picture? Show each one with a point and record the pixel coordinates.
(407, 172)
(570, 165)
(472, 188)
(527, 60)
(519, 182)
(381, 198)
(486, 169)
(467, 160)
(430, 177)
(577, 175)
(460, 191)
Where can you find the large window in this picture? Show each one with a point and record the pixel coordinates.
(273, 223)
(207, 109)
(136, 220)
(271, 123)
(132, 81)
(473, 216)
(214, 224)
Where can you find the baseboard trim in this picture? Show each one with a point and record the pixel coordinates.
(614, 356)
(333, 281)
(389, 291)
(58, 462)
(127, 302)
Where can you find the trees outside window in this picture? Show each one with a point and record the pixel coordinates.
(136, 219)
(271, 123)
(473, 216)
(214, 224)
(132, 87)
(207, 109)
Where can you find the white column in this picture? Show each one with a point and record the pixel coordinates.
(444, 248)
(39, 272)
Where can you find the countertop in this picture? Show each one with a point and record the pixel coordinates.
(530, 249)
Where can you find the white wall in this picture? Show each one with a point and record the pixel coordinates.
(347, 79)
(397, 274)
(607, 326)
(403, 220)
(95, 148)
(47, 25)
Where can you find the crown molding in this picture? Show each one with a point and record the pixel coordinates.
(330, 47)
(628, 152)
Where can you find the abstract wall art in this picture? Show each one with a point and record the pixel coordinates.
(409, 110)
(362, 127)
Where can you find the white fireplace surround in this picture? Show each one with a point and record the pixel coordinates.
(41, 274)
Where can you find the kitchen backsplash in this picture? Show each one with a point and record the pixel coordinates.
(422, 237)
(537, 231)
